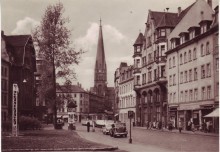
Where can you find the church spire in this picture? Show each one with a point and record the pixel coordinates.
(100, 77)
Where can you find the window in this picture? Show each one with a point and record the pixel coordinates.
(207, 48)
(202, 71)
(190, 75)
(174, 97)
(208, 70)
(74, 95)
(181, 59)
(195, 74)
(174, 79)
(149, 76)
(181, 77)
(209, 92)
(144, 78)
(203, 93)
(190, 95)
(170, 63)
(217, 64)
(138, 80)
(186, 79)
(171, 98)
(202, 50)
(194, 54)
(181, 96)
(190, 55)
(186, 95)
(174, 62)
(185, 58)
(170, 80)
(138, 63)
(195, 94)
(162, 32)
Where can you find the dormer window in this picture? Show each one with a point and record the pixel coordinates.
(184, 36)
(205, 25)
(174, 42)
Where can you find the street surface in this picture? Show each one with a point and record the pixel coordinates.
(153, 140)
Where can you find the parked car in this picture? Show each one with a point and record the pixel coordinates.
(118, 130)
(106, 128)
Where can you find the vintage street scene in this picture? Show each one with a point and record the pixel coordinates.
(110, 75)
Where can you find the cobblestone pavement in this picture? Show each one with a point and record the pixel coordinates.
(155, 141)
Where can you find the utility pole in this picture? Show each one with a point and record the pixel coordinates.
(130, 116)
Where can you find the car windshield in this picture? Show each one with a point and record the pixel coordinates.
(120, 125)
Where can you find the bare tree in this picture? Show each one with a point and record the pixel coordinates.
(52, 40)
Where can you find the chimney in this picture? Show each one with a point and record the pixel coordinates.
(210, 3)
(179, 11)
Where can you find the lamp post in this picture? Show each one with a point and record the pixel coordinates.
(130, 116)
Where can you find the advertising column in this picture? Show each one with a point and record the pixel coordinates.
(15, 110)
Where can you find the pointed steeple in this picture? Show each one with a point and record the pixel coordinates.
(100, 56)
(100, 77)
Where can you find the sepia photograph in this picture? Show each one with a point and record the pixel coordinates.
(110, 75)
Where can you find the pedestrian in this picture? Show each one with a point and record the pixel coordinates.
(193, 127)
(88, 126)
(147, 125)
(207, 125)
(180, 125)
(189, 125)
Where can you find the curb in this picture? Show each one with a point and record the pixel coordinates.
(66, 149)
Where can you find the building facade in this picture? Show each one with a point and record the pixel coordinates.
(190, 66)
(149, 67)
(5, 67)
(22, 67)
(126, 94)
(72, 93)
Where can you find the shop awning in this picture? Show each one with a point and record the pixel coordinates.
(214, 113)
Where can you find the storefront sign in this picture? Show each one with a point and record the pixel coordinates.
(15, 110)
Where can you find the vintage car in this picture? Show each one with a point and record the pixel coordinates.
(118, 130)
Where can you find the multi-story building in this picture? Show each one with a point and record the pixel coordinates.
(23, 66)
(190, 66)
(126, 94)
(72, 93)
(5, 67)
(149, 67)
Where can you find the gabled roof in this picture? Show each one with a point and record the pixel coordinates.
(70, 89)
(140, 39)
(168, 20)
(17, 40)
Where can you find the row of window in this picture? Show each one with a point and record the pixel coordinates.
(191, 75)
(70, 95)
(191, 95)
(126, 88)
(4, 85)
(127, 75)
(127, 102)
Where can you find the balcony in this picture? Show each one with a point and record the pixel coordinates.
(137, 85)
(161, 80)
(136, 53)
(160, 59)
(137, 70)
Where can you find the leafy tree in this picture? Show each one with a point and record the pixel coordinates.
(52, 41)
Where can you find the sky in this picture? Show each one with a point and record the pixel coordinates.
(122, 20)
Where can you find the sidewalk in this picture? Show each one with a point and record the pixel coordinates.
(183, 131)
